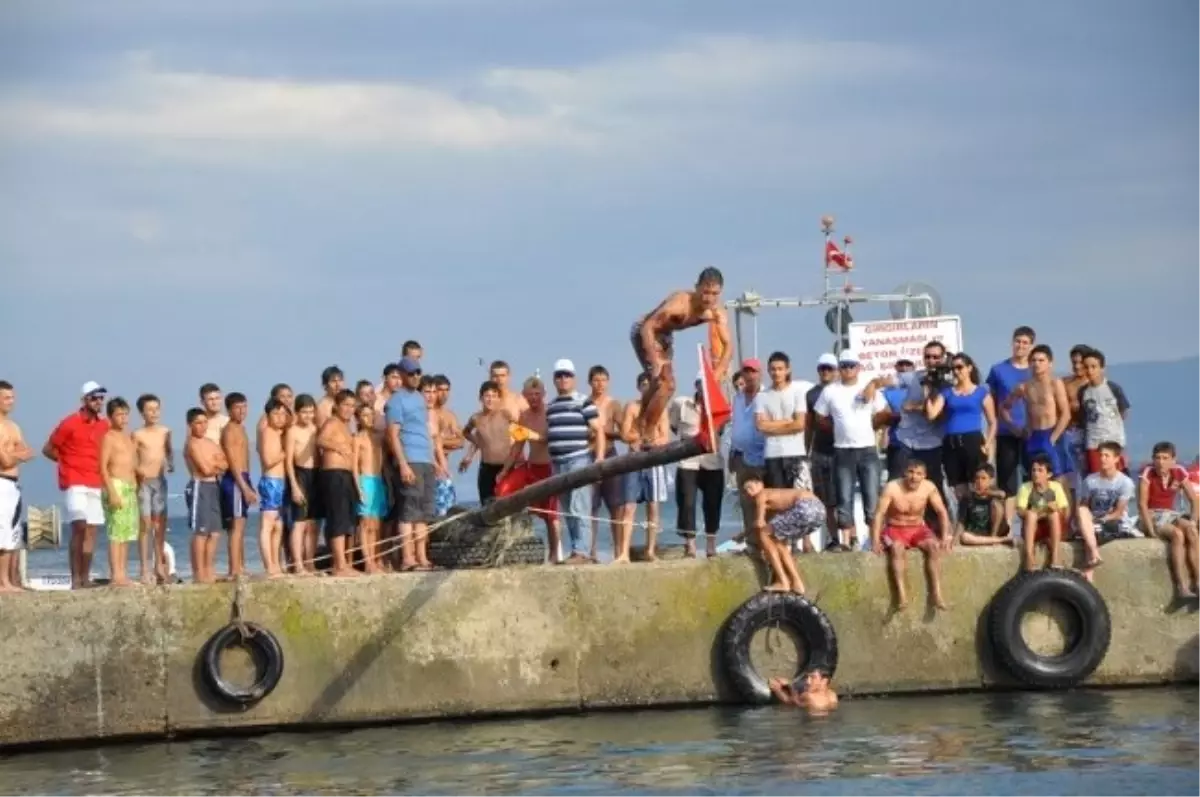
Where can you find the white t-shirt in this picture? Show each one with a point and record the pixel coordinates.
(851, 416)
(783, 405)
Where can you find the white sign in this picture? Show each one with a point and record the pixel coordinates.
(880, 343)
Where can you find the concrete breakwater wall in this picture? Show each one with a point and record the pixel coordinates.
(112, 663)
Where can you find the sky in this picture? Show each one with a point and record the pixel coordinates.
(247, 191)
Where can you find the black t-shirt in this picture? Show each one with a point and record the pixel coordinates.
(822, 440)
(976, 513)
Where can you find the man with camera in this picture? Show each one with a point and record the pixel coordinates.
(920, 437)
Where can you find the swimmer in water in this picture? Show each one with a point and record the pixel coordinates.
(812, 691)
(653, 342)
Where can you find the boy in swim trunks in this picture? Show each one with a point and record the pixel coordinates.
(117, 457)
(452, 440)
(300, 443)
(522, 470)
(815, 693)
(1160, 487)
(1044, 507)
(783, 516)
(237, 492)
(271, 487)
(653, 334)
(155, 459)
(487, 431)
(610, 492)
(981, 511)
(339, 492)
(205, 462)
(372, 492)
(1047, 413)
(648, 486)
(899, 524)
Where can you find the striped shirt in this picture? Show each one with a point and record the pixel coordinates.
(567, 420)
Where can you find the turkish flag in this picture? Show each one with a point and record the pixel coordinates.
(836, 257)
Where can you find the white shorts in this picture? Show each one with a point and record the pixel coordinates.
(12, 529)
(83, 503)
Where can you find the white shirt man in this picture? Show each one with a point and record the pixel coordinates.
(780, 412)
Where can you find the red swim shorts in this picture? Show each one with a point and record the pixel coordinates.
(525, 475)
(908, 536)
(1042, 534)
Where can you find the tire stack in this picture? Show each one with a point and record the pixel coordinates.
(465, 544)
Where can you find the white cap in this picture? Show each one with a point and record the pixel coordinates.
(848, 356)
(91, 387)
(827, 359)
(564, 365)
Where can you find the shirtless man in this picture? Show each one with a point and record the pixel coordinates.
(815, 694)
(237, 490)
(511, 402)
(488, 432)
(610, 492)
(652, 337)
(282, 392)
(645, 486)
(119, 471)
(372, 492)
(300, 463)
(14, 452)
(390, 384)
(1047, 413)
(452, 440)
(783, 515)
(211, 400)
(899, 524)
(522, 469)
(332, 381)
(155, 459)
(339, 492)
(1075, 445)
(271, 487)
(205, 463)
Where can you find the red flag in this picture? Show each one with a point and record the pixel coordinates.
(717, 411)
(836, 257)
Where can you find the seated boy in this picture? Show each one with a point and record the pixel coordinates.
(1161, 485)
(1103, 512)
(899, 524)
(795, 514)
(981, 511)
(1043, 505)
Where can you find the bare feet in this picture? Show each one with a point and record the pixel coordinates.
(620, 560)
(345, 572)
(710, 547)
(939, 603)
(10, 588)
(776, 586)
(651, 556)
(798, 589)
(577, 559)
(901, 603)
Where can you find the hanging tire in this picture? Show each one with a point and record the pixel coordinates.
(1083, 652)
(264, 649)
(765, 609)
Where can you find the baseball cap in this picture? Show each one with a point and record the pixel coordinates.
(827, 360)
(564, 366)
(752, 363)
(903, 361)
(410, 365)
(91, 387)
(848, 356)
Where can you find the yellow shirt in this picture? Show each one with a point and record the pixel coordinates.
(1040, 500)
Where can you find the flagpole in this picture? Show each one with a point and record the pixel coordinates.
(827, 228)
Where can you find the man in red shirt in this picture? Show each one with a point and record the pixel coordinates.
(75, 446)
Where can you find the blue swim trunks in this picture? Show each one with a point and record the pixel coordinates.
(373, 503)
(1060, 458)
(271, 494)
(233, 503)
(444, 497)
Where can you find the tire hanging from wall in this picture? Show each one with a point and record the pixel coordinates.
(264, 649)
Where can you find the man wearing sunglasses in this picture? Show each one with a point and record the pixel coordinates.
(75, 446)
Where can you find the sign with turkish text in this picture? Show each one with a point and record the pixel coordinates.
(880, 343)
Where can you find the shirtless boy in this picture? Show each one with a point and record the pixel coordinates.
(652, 337)
(1047, 413)
(1074, 383)
(206, 463)
(372, 492)
(609, 492)
(155, 459)
(271, 487)
(1160, 487)
(487, 430)
(282, 392)
(899, 524)
(1044, 509)
(332, 381)
(816, 695)
(119, 472)
(237, 490)
(783, 515)
(339, 492)
(452, 440)
(511, 402)
(647, 486)
(210, 399)
(14, 452)
(523, 469)
(300, 444)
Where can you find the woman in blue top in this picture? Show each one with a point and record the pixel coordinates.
(968, 416)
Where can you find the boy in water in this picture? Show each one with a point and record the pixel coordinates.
(237, 492)
(372, 492)
(155, 460)
(1162, 484)
(117, 469)
(1044, 508)
(981, 511)
(815, 693)
(271, 487)
(300, 443)
(487, 430)
(339, 492)
(899, 524)
(205, 462)
(783, 515)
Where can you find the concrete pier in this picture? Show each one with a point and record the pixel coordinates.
(120, 663)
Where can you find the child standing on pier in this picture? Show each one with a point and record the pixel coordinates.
(155, 460)
(372, 493)
(117, 469)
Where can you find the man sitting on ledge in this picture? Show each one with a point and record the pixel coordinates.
(814, 694)
(899, 524)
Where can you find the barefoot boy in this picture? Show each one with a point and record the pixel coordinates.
(487, 430)
(271, 487)
(814, 694)
(648, 486)
(339, 493)
(205, 462)
(155, 460)
(1161, 485)
(1104, 497)
(372, 492)
(14, 452)
(117, 468)
(300, 442)
(522, 470)
(1043, 506)
(794, 514)
(237, 492)
(981, 511)
(899, 524)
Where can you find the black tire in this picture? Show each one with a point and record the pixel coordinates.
(268, 658)
(486, 550)
(796, 612)
(1082, 655)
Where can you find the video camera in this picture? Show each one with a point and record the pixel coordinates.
(938, 376)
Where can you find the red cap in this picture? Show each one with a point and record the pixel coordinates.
(752, 363)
